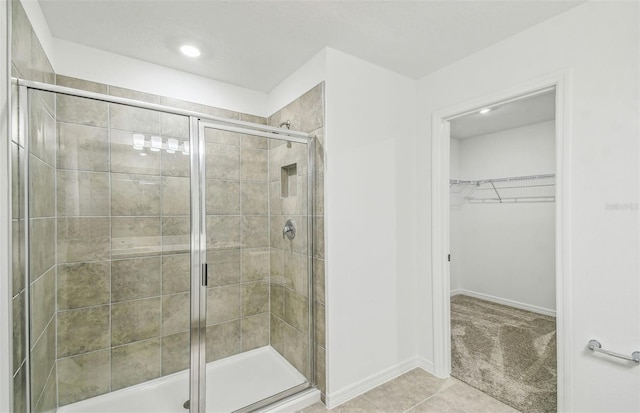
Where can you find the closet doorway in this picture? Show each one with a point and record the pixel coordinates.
(498, 281)
(502, 245)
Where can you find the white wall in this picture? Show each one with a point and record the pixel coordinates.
(76, 60)
(505, 251)
(370, 316)
(599, 43)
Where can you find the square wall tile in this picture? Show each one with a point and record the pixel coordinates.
(133, 94)
(296, 272)
(42, 243)
(42, 129)
(83, 147)
(175, 126)
(175, 313)
(175, 164)
(255, 264)
(83, 330)
(223, 304)
(126, 159)
(296, 310)
(176, 195)
(135, 363)
(254, 142)
(83, 284)
(277, 266)
(135, 195)
(135, 320)
(276, 336)
(255, 298)
(254, 165)
(83, 239)
(221, 137)
(81, 111)
(82, 193)
(176, 235)
(48, 399)
(43, 301)
(222, 197)
(130, 118)
(222, 161)
(223, 232)
(255, 331)
(255, 232)
(223, 267)
(81, 84)
(84, 376)
(175, 352)
(42, 195)
(135, 236)
(176, 273)
(136, 278)
(43, 358)
(296, 349)
(223, 340)
(255, 198)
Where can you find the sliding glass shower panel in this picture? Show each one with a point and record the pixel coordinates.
(258, 312)
(110, 244)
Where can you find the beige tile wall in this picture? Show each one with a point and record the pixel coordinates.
(289, 284)
(122, 246)
(123, 222)
(30, 62)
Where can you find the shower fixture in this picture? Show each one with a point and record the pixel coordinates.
(156, 144)
(286, 124)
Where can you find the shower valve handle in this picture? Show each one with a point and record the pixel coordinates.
(289, 229)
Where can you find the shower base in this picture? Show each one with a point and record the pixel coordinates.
(232, 383)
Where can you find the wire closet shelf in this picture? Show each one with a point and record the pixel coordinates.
(517, 189)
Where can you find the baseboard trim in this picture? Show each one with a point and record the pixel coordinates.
(504, 301)
(354, 390)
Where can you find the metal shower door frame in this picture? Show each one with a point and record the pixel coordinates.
(198, 272)
(199, 257)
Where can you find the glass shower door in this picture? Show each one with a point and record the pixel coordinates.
(109, 243)
(257, 228)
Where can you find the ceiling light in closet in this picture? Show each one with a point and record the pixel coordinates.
(189, 50)
(485, 110)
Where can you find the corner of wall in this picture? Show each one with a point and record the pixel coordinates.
(307, 76)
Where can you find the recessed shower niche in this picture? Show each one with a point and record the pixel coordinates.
(289, 180)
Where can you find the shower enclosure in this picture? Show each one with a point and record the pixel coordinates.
(168, 256)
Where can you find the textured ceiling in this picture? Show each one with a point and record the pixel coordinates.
(257, 44)
(523, 112)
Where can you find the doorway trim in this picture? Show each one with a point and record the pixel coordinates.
(440, 147)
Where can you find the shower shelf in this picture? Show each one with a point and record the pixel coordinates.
(517, 189)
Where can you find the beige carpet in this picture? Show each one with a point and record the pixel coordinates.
(508, 353)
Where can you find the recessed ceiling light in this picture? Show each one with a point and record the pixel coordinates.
(485, 110)
(189, 50)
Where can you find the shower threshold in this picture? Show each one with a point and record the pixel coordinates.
(232, 383)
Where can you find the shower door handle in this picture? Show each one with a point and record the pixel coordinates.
(205, 272)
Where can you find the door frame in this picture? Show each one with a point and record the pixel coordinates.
(440, 267)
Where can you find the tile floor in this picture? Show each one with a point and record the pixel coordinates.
(419, 392)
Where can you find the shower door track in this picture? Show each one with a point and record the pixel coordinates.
(232, 125)
(197, 122)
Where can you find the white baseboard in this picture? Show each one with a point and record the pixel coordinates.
(354, 390)
(504, 301)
